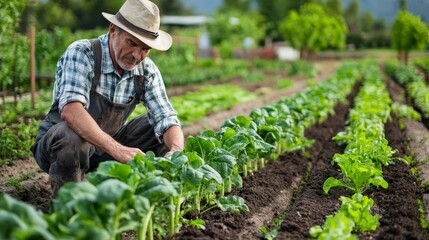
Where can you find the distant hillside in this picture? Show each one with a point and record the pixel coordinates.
(385, 9)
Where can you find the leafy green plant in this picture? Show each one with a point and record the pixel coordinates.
(336, 226)
(358, 208)
(358, 176)
(403, 111)
(209, 99)
(17, 181)
(15, 141)
(22, 221)
(302, 68)
(254, 76)
(285, 83)
(423, 222)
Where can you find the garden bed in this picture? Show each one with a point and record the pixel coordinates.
(291, 187)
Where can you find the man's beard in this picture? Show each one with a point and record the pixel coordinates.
(125, 66)
(122, 64)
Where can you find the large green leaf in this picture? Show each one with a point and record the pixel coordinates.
(210, 173)
(157, 189)
(194, 160)
(110, 169)
(191, 176)
(232, 203)
(19, 220)
(112, 191)
(222, 161)
(201, 145)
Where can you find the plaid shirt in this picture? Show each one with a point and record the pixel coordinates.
(75, 71)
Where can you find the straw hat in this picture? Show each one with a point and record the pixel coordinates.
(141, 19)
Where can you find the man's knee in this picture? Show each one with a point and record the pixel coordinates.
(63, 146)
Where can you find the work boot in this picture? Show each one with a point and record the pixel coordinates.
(57, 181)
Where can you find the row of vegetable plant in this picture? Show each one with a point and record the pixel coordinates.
(191, 107)
(151, 195)
(414, 83)
(15, 141)
(423, 64)
(19, 122)
(18, 127)
(210, 98)
(366, 152)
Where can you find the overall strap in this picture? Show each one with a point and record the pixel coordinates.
(139, 85)
(96, 49)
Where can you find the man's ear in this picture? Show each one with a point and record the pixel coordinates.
(112, 28)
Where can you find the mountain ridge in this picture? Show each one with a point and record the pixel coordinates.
(380, 9)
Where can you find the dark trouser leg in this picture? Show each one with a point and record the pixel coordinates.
(62, 154)
(137, 133)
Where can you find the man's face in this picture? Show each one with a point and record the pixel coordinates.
(128, 51)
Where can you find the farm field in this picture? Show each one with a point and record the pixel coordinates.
(35, 188)
(302, 120)
(290, 188)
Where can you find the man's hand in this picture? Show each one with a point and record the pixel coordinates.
(124, 154)
(169, 154)
(84, 125)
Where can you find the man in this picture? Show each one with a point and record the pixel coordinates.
(98, 84)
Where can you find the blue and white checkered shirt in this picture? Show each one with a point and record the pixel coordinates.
(75, 71)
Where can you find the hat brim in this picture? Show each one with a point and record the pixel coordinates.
(162, 43)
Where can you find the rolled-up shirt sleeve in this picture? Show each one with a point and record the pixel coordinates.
(161, 113)
(74, 74)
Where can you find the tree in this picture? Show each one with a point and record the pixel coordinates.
(367, 22)
(51, 15)
(10, 13)
(403, 5)
(351, 15)
(380, 25)
(13, 57)
(312, 29)
(83, 14)
(274, 12)
(408, 32)
(229, 29)
(334, 6)
(380, 34)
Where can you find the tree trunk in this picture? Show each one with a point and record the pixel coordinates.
(406, 57)
(402, 56)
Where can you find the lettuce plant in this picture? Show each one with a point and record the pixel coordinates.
(358, 208)
(336, 226)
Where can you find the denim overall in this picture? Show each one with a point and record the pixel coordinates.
(63, 154)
